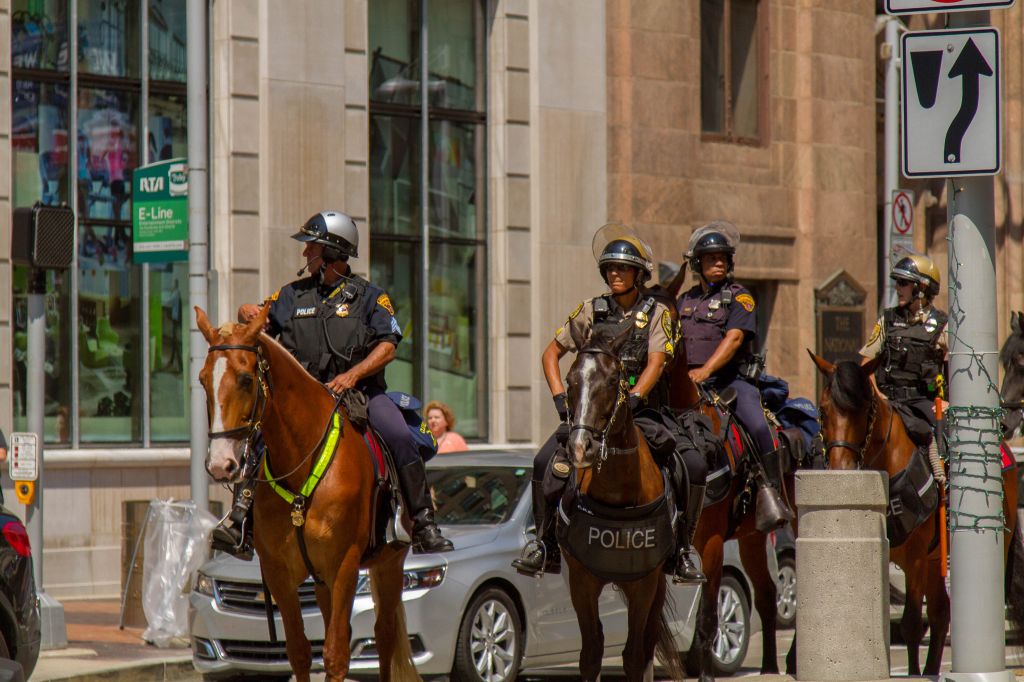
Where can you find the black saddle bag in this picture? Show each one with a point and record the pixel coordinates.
(913, 497)
(693, 431)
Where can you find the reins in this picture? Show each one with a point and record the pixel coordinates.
(862, 449)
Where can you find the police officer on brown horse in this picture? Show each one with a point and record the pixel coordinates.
(911, 338)
(342, 330)
(718, 322)
(625, 265)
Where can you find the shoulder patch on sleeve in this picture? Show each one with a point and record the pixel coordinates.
(875, 333)
(384, 302)
(747, 301)
(666, 324)
(576, 312)
(273, 296)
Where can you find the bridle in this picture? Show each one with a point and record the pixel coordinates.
(860, 450)
(601, 435)
(251, 428)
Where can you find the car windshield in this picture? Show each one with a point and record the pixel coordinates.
(470, 495)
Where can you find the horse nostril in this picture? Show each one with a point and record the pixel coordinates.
(230, 467)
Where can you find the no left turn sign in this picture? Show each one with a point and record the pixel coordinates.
(902, 211)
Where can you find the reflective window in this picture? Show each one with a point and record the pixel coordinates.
(107, 153)
(167, 30)
(168, 351)
(39, 143)
(168, 125)
(731, 70)
(456, 207)
(108, 37)
(39, 34)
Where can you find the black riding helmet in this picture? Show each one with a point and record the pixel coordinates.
(335, 230)
(712, 242)
(626, 251)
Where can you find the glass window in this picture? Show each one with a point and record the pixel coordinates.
(394, 51)
(168, 352)
(108, 336)
(39, 143)
(167, 32)
(455, 179)
(394, 175)
(168, 127)
(452, 50)
(39, 34)
(108, 37)
(106, 152)
(395, 266)
(731, 71)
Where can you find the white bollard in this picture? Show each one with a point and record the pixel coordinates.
(842, 558)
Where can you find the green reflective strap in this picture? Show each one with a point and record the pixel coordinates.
(318, 470)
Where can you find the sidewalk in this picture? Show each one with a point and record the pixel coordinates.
(99, 650)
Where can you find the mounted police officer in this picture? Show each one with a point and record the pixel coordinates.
(910, 337)
(718, 321)
(625, 265)
(342, 330)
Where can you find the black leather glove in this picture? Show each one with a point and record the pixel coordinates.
(562, 406)
(635, 402)
(562, 433)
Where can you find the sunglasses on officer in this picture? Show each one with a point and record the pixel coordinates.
(904, 282)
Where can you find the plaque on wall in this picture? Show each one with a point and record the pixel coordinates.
(839, 313)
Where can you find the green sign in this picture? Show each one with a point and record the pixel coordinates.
(160, 212)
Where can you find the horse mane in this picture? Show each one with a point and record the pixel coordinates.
(281, 354)
(848, 387)
(601, 339)
(1013, 347)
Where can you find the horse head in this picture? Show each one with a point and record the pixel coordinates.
(597, 394)
(1012, 391)
(846, 409)
(234, 389)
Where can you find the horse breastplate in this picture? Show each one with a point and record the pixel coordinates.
(913, 358)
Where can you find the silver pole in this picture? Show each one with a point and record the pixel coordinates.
(35, 399)
(198, 240)
(892, 151)
(976, 517)
(144, 155)
(423, 320)
(73, 368)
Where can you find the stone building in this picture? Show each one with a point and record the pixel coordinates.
(546, 120)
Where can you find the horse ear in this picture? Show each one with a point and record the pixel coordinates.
(203, 322)
(1015, 322)
(577, 335)
(256, 325)
(870, 367)
(824, 366)
(620, 337)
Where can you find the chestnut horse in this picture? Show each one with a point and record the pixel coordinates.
(853, 415)
(718, 524)
(614, 467)
(252, 382)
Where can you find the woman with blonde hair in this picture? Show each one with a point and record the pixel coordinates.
(441, 421)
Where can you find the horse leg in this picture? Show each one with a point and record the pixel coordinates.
(393, 650)
(938, 618)
(912, 625)
(753, 553)
(700, 655)
(285, 592)
(584, 591)
(337, 639)
(644, 601)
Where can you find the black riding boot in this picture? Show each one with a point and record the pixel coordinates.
(772, 511)
(541, 555)
(234, 533)
(686, 571)
(426, 536)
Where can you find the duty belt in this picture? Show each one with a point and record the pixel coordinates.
(903, 392)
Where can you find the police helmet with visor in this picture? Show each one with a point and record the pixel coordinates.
(919, 270)
(717, 237)
(627, 251)
(335, 230)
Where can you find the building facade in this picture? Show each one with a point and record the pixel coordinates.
(544, 120)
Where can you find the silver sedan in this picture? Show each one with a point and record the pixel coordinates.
(469, 614)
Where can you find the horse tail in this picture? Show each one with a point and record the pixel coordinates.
(1015, 585)
(666, 646)
(402, 667)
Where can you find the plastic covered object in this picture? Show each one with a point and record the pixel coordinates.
(176, 545)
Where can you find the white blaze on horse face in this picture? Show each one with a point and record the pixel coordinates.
(223, 451)
(580, 441)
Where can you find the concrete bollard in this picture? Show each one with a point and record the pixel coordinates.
(842, 559)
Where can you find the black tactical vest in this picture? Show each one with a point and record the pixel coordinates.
(633, 353)
(328, 332)
(912, 358)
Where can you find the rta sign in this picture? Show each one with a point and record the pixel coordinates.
(917, 6)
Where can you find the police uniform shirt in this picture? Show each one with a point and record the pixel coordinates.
(660, 335)
(876, 342)
(705, 318)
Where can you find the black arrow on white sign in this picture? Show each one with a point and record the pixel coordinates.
(970, 66)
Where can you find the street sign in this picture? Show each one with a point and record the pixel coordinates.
(914, 6)
(951, 119)
(903, 212)
(160, 212)
(23, 460)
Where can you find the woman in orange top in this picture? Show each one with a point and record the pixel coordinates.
(441, 421)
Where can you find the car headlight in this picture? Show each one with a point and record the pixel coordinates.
(413, 579)
(204, 584)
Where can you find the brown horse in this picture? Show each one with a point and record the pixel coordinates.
(252, 382)
(862, 431)
(718, 524)
(614, 468)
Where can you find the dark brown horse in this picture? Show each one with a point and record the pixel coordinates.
(862, 431)
(614, 468)
(253, 382)
(718, 524)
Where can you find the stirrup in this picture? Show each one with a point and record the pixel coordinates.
(551, 562)
(684, 565)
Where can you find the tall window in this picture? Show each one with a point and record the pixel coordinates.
(732, 68)
(456, 181)
(95, 312)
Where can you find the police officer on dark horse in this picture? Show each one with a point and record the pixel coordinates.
(625, 265)
(342, 329)
(718, 322)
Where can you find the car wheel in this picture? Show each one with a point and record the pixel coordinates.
(490, 643)
(733, 636)
(785, 616)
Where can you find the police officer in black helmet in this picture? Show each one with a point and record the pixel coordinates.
(342, 330)
(625, 264)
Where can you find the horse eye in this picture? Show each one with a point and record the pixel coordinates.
(245, 381)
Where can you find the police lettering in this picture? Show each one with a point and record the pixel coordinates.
(622, 538)
(305, 312)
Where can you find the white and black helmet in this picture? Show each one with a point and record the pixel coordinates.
(335, 230)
